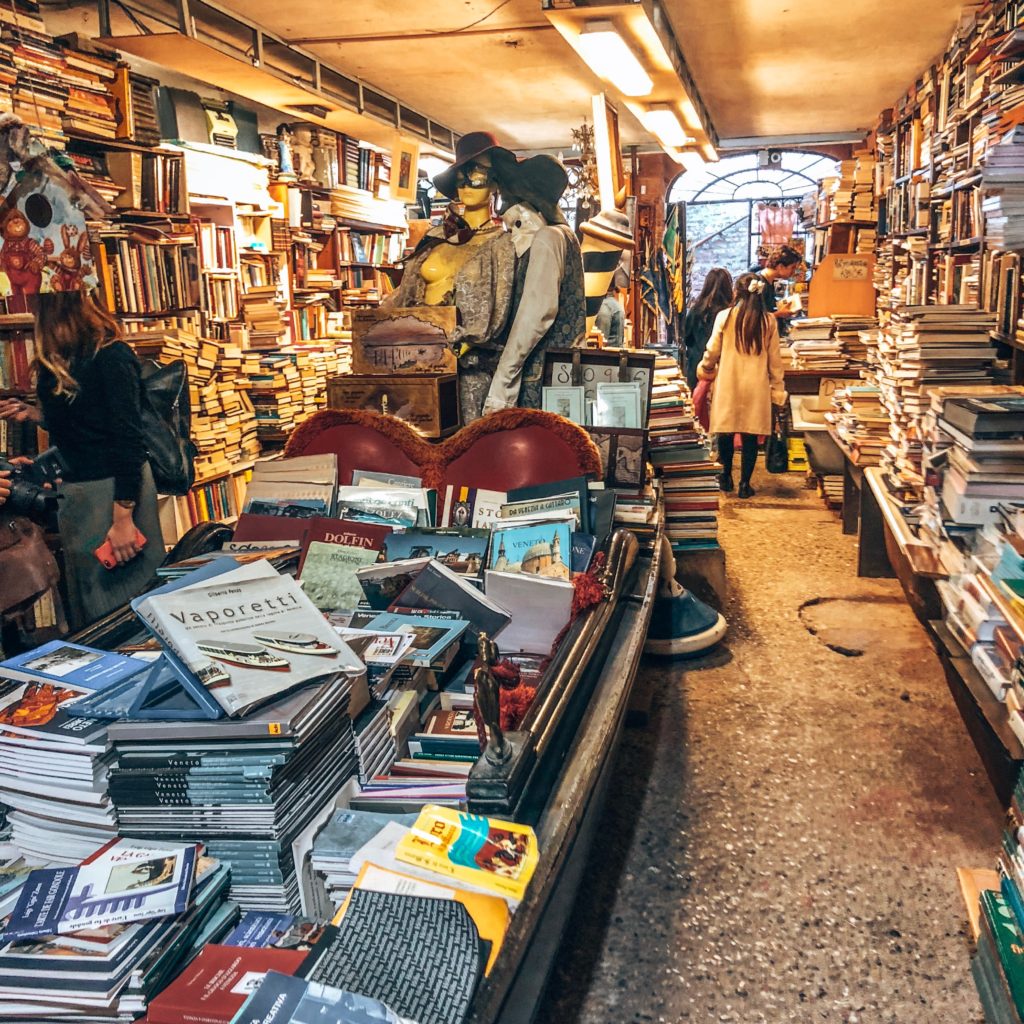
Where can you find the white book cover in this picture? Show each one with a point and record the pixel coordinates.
(248, 636)
(540, 608)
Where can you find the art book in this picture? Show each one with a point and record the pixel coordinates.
(248, 636)
(119, 884)
(462, 550)
(498, 855)
(62, 662)
(329, 574)
(540, 549)
(212, 989)
(432, 637)
(382, 582)
(38, 712)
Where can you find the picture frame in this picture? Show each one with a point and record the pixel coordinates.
(618, 405)
(623, 455)
(611, 175)
(405, 158)
(567, 402)
(586, 368)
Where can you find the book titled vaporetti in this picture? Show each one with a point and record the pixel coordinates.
(248, 636)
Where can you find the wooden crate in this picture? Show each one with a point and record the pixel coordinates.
(430, 403)
(403, 340)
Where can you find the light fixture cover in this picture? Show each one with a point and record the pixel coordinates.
(608, 55)
(664, 122)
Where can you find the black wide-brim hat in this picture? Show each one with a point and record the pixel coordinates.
(469, 148)
(539, 180)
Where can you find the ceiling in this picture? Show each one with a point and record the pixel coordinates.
(764, 67)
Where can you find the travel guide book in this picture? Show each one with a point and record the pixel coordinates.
(500, 856)
(119, 884)
(539, 549)
(62, 662)
(462, 550)
(247, 636)
(432, 637)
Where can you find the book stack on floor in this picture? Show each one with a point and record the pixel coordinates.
(812, 346)
(922, 348)
(261, 311)
(98, 941)
(277, 398)
(681, 455)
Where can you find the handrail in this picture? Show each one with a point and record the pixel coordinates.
(721, 231)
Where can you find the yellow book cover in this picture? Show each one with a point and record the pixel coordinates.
(490, 913)
(493, 854)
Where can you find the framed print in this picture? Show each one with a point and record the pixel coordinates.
(611, 176)
(405, 158)
(567, 402)
(623, 455)
(618, 405)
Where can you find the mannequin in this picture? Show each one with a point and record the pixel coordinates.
(605, 237)
(468, 261)
(548, 305)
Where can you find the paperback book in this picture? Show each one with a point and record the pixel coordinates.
(62, 662)
(540, 549)
(329, 574)
(462, 550)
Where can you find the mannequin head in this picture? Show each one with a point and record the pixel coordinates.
(476, 188)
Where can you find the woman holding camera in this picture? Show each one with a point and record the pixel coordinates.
(89, 387)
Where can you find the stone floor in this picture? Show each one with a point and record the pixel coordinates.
(779, 842)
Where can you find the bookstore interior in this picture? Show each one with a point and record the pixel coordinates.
(434, 328)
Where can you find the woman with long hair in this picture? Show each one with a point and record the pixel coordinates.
(715, 296)
(89, 390)
(744, 361)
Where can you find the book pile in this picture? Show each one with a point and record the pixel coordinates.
(356, 204)
(851, 196)
(812, 347)
(375, 745)
(922, 348)
(853, 335)
(261, 312)
(1002, 190)
(860, 421)
(681, 456)
(141, 913)
(53, 764)
(39, 95)
(277, 398)
(90, 107)
(94, 169)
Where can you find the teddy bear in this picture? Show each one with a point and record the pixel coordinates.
(21, 259)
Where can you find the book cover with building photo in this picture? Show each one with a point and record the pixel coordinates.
(540, 549)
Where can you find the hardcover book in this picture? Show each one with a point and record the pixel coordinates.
(437, 588)
(432, 637)
(119, 884)
(362, 476)
(383, 582)
(398, 506)
(540, 549)
(345, 531)
(247, 636)
(464, 551)
(574, 485)
(265, 930)
(540, 607)
(329, 574)
(277, 529)
(471, 506)
(62, 662)
(39, 711)
(498, 855)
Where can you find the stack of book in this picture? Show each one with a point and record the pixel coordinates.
(147, 270)
(39, 94)
(99, 941)
(812, 346)
(922, 348)
(262, 315)
(860, 421)
(681, 456)
(277, 398)
(90, 108)
(853, 335)
(1002, 189)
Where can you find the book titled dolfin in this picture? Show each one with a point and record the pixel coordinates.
(437, 587)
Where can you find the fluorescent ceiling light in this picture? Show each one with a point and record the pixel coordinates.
(664, 122)
(610, 58)
(692, 160)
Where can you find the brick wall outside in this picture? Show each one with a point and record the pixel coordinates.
(730, 249)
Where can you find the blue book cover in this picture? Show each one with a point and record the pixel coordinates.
(431, 636)
(541, 549)
(60, 661)
(583, 547)
(461, 550)
(266, 930)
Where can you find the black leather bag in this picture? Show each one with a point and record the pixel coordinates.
(167, 426)
(776, 447)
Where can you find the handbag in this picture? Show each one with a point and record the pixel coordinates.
(167, 426)
(776, 447)
(27, 566)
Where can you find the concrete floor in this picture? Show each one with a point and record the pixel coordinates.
(780, 841)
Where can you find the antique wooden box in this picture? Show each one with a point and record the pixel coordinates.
(429, 402)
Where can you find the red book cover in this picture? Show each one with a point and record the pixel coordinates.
(278, 528)
(344, 531)
(212, 989)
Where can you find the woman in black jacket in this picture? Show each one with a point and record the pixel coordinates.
(715, 296)
(89, 387)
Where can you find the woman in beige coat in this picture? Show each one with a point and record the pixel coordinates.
(743, 359)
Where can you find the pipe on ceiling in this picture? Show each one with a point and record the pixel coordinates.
(404, 36)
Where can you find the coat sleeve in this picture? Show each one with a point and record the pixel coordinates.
(713, 353)
(776, 376)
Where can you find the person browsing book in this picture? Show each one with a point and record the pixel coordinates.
(744, 360)
(89, 389)
(779, 264)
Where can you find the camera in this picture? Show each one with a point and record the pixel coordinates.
(29, 494)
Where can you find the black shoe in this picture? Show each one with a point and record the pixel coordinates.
(725, 482)
(746, 491)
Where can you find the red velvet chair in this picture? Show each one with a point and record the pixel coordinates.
(510, 449)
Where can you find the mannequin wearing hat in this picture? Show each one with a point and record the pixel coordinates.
(548, 304)
(605, 237)
(467, 261)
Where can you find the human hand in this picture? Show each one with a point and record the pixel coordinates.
(17, 411)
(122, 538)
